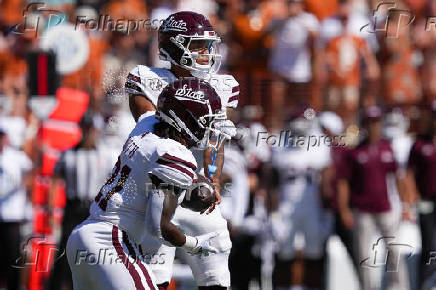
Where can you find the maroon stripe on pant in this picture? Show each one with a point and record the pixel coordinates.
(129, 245)
(138, 261)
(130, 267)
(146, 275)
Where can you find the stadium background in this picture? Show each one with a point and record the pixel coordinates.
(343, 70)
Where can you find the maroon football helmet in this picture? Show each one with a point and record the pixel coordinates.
(191, 106)
(180, 36)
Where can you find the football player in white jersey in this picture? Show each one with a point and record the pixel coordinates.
(187, 40)
(297, 165)
(103, 251)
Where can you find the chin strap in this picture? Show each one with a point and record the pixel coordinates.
(212, 167)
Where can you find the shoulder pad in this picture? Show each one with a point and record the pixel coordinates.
(175, 164)
(148, 81)
(227, 87)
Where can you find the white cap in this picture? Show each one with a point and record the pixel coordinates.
(332, 122)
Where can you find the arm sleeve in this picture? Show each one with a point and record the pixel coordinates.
(154, 213)
(141, 81)
(175, 166)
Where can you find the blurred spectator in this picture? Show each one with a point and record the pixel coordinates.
(83, 170)
(252, 22)
(251, 245)
(125, 9)
(395, 127)
(332, 126)
(362, 183)
(400, 80)
(11, 11)
(343, 54)
(13, 68)
(89, 77)
(235, 193)
(121, 58)
(293, 54)
(297, 171)
(322, 9)
(422, 170)
(15, 182)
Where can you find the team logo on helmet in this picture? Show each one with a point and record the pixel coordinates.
(174, 25)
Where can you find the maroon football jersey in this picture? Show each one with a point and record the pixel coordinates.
(366, 168)
(423, 160)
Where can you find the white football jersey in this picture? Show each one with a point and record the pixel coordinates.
(299, 173)
(150, 81)
(122, 200)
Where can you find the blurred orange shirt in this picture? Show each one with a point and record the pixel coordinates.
(125, 9)
(322, 9)
(400, 79)
(343, 55)
(11, 11)
(11, 65)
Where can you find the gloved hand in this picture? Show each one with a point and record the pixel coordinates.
(226, 127)
(200, 244)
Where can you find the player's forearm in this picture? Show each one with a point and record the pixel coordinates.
(218, 162)
(412, 189)
(343, 195)
(169, 231)
(172, 234)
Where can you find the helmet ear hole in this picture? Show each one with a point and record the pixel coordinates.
(186, 61)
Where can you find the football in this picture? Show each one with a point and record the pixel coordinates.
(200, 196)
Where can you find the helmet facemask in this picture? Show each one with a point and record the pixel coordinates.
(204, 132)
(207, 122)
(189, 46)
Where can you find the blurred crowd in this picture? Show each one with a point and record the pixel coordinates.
(356, 76)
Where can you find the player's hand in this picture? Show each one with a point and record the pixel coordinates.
(217, 202)
(203, 244)
(347, 219)
(227, 128)
(408, 213)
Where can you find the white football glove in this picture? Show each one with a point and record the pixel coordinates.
(226, 127)
(200, 244)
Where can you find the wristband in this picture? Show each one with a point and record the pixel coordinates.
(190, 243)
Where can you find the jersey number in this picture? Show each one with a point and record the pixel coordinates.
(125, 171)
